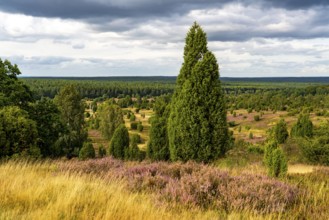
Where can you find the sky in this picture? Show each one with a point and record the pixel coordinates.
(250, 38)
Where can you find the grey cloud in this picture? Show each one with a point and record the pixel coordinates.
(297, 4)
(84, 9)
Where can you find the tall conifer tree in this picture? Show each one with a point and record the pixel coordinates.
(197, 125)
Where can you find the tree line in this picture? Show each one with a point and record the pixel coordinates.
(38, 128)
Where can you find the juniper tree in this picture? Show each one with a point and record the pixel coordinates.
(119, 142)
(303, 127)
(275, 160)
(281, 132)
(158, 146)
(87, 151)
(197, 125)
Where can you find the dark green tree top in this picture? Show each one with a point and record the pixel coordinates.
(194, 50)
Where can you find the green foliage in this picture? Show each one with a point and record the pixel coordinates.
(133, 125)
(197, 127)
(110, 118)
(87, 151)
(158, 146)
(280, 132)
(13, 91)
(316, 150)
(101, 151)
(133, 152)
(231, 124)
(125, 102)
(119, 142)
(140, 127)
(275, 160)
(257, 118)
(71, 108)
(132, 117)
(303, 127)
(279, 165)
(251, 135)
(49, 125)
(18, 133)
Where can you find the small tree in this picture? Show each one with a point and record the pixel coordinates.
(158, 146)
(303, 127)
(140, 127)
(133, 125)
(101, 151)
(132, 153)
(257, 118)
(72, 109)
(119, 142)
(87, 151)
(281, 132)
(275, 160)
(132, 117)
(110, 117)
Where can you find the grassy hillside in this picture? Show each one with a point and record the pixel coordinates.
(95, 189)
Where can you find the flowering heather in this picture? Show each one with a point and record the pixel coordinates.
(194, 185)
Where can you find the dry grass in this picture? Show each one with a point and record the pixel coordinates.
(35, 191)
(42, 190)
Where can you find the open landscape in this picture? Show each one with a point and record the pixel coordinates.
(135, 110)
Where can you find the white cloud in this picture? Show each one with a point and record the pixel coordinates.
(247, 40)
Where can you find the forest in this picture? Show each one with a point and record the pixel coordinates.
(196, 146)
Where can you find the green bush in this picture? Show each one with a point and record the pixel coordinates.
(251, 135)
(87, 151)
(316, 151)
(101, 151)
(281, 132)
(303, 127)
(119, 142)
(231, 123)
(132, 117)
(133, 152)
(133, 125)
(279, 165)
(257, 118)
(275, 160)
(140, 127)
(158, 146)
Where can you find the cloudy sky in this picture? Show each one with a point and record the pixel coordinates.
(250, 38)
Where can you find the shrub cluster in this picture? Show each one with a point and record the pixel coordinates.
(195, 185)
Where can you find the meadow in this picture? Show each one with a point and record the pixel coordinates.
(234, 186)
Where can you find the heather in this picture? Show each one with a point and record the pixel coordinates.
(193, 185)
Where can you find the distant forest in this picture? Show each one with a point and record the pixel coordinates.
(172, 79)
